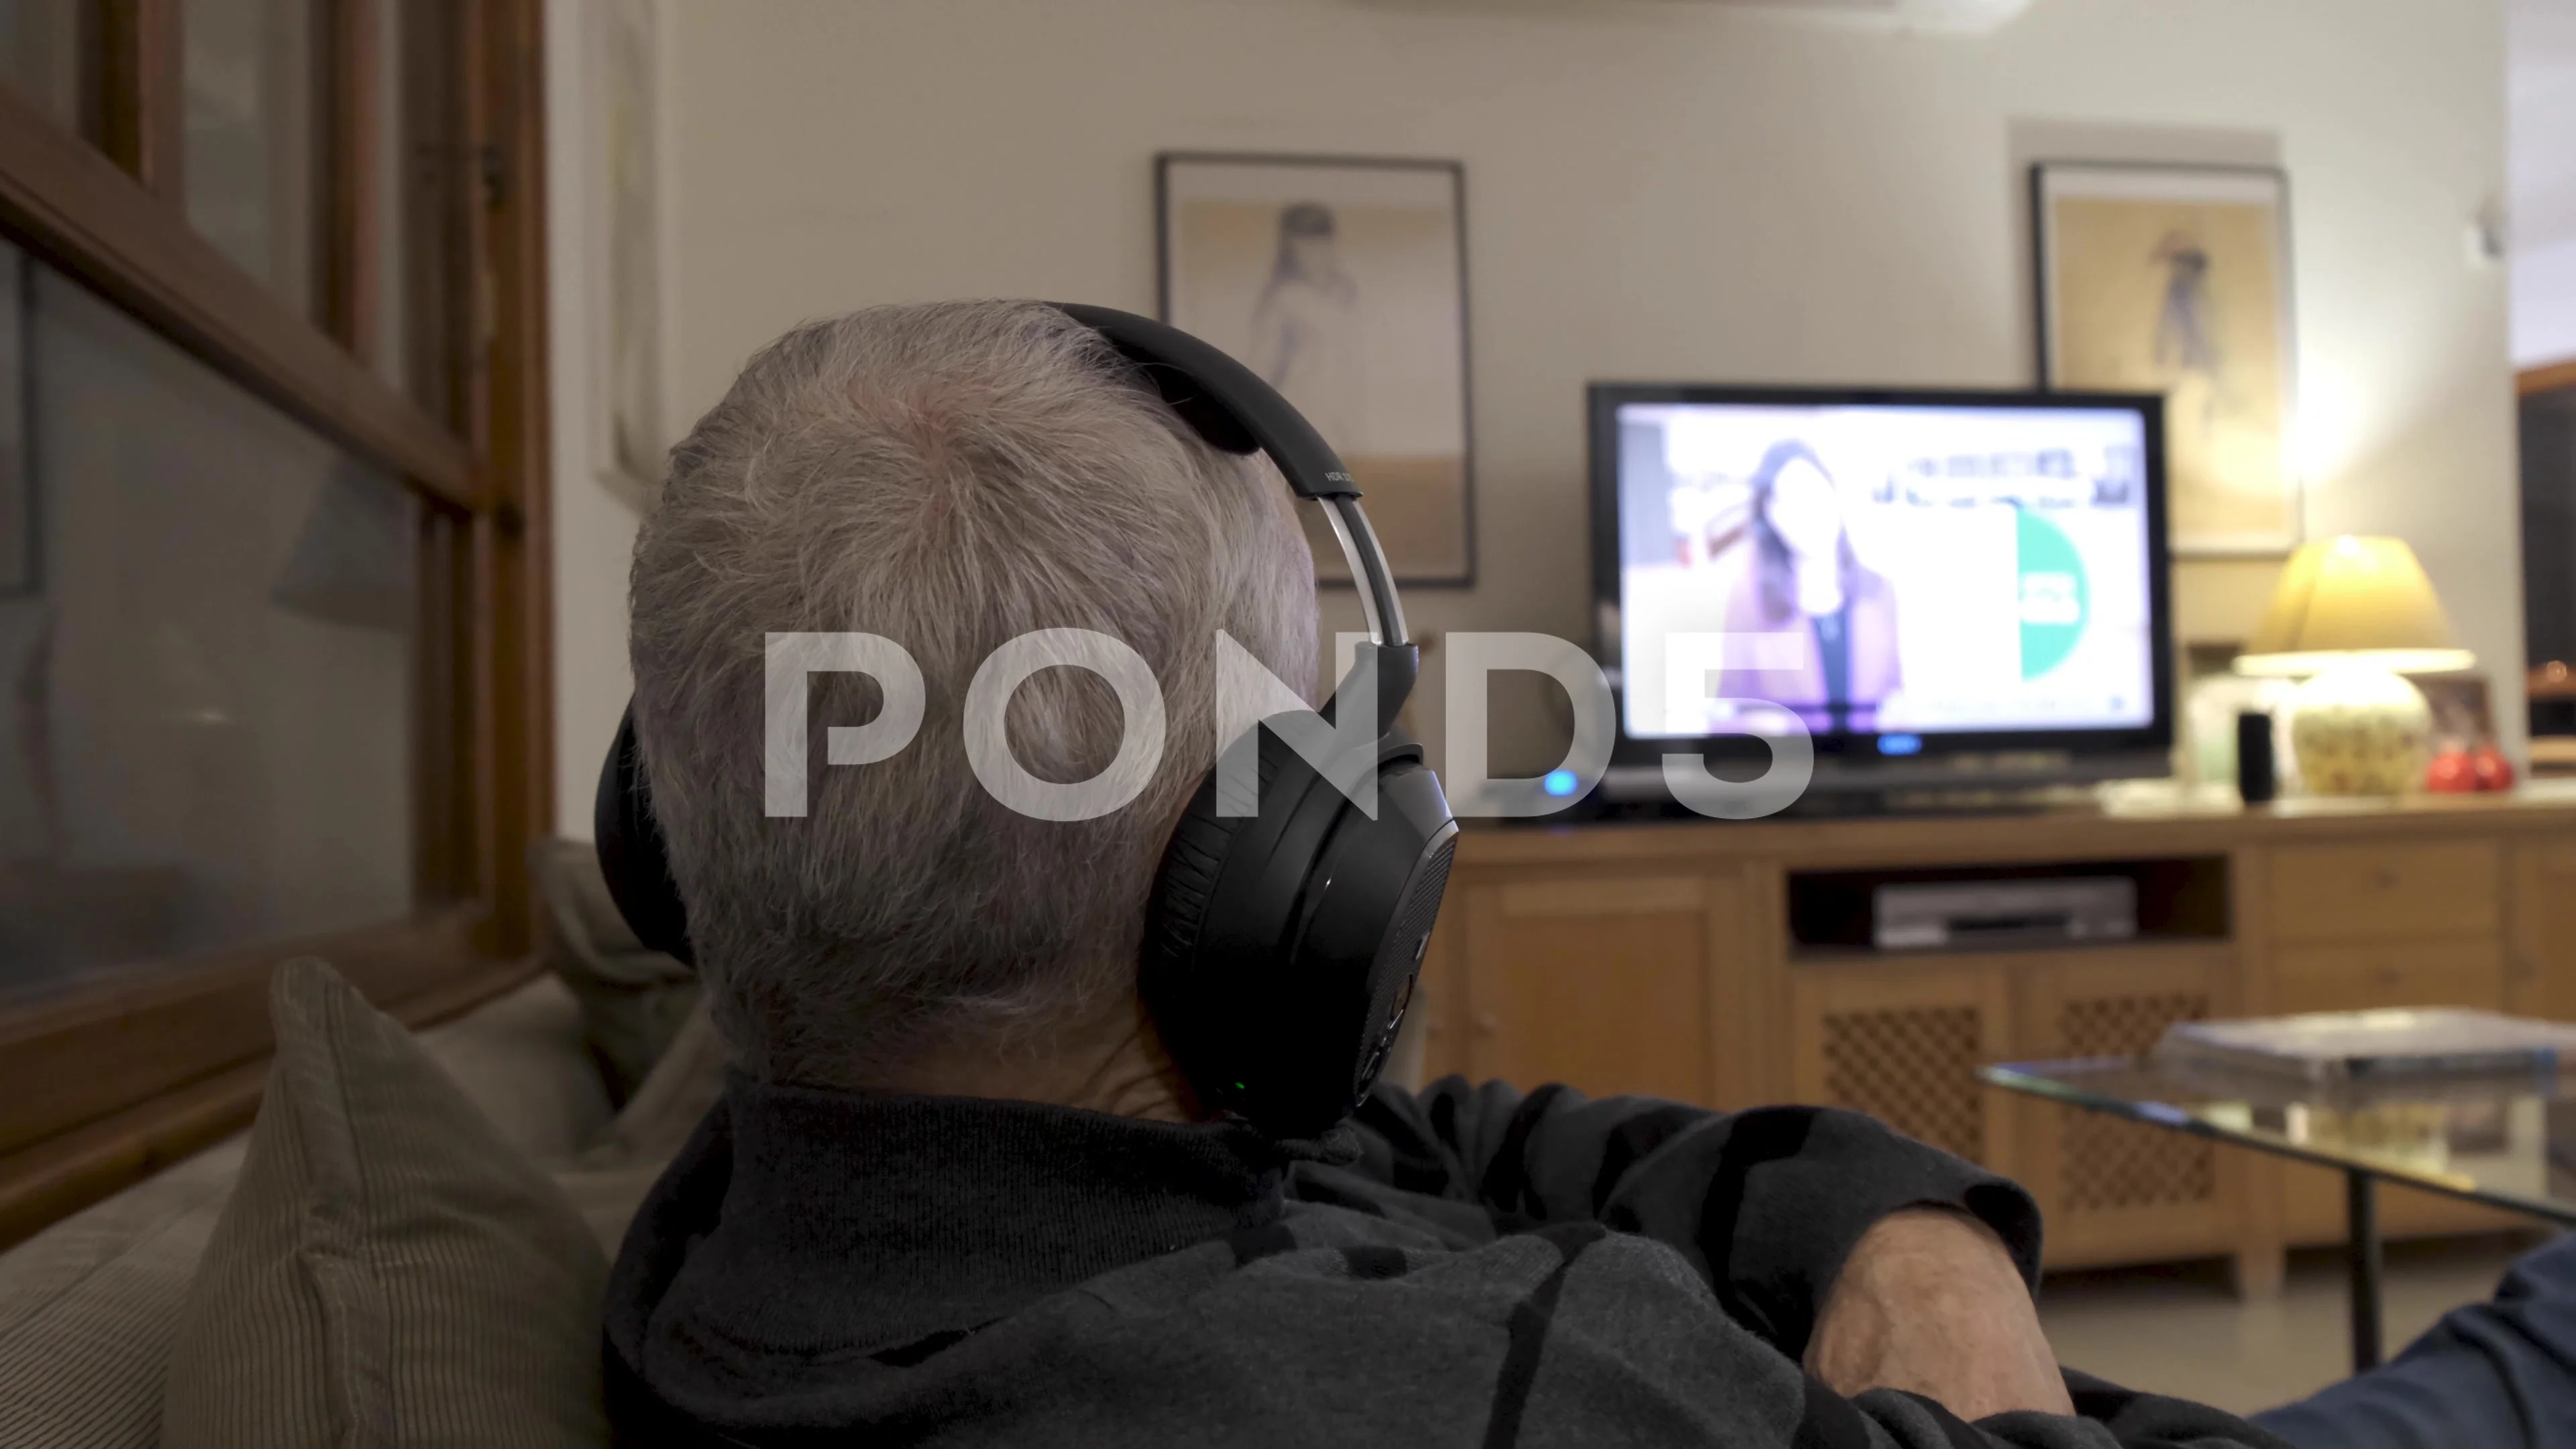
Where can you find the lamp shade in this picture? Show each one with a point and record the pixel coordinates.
(2353, 601)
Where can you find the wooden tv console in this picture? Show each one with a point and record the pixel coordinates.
(1730, 964)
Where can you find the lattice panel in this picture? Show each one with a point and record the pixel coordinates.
(2110, 1164)
(1914, 1069)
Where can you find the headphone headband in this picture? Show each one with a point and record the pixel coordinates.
(1234, 411)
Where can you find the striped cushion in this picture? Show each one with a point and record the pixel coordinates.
(86, 1309)
(389, 1270)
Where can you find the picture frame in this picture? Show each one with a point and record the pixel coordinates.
(21, 517)
(1342, 280)
(2179, 280)
(623, 209)
(2463, 709)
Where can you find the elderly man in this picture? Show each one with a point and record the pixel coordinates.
(957, 1192)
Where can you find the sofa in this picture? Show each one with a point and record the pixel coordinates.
(93, 1308)
(408, 1246)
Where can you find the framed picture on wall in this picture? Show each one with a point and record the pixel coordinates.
(625, 209)
(2176, 280)
(1344, 282)
(21, 543)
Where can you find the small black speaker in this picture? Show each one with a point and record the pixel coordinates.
(2256, 779)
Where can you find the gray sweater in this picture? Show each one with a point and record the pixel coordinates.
(1466, 1267)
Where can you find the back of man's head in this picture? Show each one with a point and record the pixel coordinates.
(950, 477)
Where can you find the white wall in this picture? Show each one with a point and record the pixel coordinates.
(594, 522)
(2542, 49)
(2544, 303)
(1654, 190)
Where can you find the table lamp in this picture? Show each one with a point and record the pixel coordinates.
(2350, 613)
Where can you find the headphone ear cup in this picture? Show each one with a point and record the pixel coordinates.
(1195, 998)
(1185, 884)
(1182, 889)
(1280, 947)
(632, 856)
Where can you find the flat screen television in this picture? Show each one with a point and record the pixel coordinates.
(1942, 586)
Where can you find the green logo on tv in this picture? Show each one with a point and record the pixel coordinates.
(2055, 601)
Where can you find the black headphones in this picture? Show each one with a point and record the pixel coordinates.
(1280, 947)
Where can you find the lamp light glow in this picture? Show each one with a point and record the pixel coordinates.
(2355, 615)
(2346, 601)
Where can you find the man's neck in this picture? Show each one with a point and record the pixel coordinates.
(1116, 1065)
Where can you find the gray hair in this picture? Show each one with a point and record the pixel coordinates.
(949, 476)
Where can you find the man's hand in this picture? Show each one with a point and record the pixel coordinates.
(1930, 1302)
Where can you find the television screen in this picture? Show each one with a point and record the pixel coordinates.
(1920, 569)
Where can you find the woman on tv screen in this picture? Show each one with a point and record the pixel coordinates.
(1799, 576)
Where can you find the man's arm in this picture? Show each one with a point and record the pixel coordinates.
(1930, 1303)
(1767, 1204)
(2105, 1416)
(2499, 1374)
(1898, 1274)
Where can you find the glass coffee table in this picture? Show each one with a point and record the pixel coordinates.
(2508, 1141)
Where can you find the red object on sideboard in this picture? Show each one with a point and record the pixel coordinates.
(2451, 773)
(2483, 770)
(2494, 771)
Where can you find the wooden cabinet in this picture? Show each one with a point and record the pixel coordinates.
(2384, 889)
(2540, 976)
(1663, 959)
(1600, 982)
(1903, 1043)
(2113, 1191)
(2355, 976)
(2358, 975)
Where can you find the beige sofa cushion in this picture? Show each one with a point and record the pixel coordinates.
(609, 1181)
(87, 1307)
(389, 1269)
(523, 1064)
(633, 1000)
(684, 1085)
